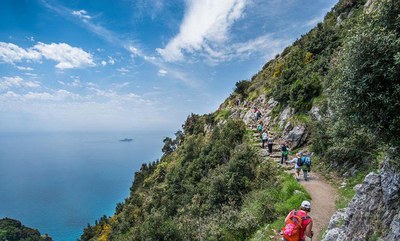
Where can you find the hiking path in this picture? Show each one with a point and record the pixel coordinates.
(323, 194)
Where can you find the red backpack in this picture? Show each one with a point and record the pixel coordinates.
(293, 226)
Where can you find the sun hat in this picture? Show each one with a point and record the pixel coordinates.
(306, 204)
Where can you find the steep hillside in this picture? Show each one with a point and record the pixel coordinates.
(335, 91)
(210, 184)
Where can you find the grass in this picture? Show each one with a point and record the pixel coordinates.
(289, 194)
(300, 118)
(223, 114)
(347, 193)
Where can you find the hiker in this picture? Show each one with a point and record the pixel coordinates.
(270, 142)
(297, 164)
(258, 115)
(298, 224)
(306, 165)
(259, 127)
(285, 152)
(264, 138)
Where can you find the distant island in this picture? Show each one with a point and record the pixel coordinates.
(13, 230)
(126, 140)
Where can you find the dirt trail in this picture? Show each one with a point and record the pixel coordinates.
(323, 194)
(323, 197)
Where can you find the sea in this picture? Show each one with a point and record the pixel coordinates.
(59, 182)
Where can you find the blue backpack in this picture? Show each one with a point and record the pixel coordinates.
(306, 160)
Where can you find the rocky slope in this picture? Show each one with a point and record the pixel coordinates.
(374, 212)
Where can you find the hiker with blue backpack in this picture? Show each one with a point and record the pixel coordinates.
(302, 162)
(306, 165)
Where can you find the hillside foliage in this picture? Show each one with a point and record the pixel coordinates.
(210, 184)
(13, 230)
(213, 186)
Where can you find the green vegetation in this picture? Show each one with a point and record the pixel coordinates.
(210, 184)
(242, 88)
(13, 230)
(363, 92)
(213, 186)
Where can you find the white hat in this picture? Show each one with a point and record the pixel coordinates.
(306, 204)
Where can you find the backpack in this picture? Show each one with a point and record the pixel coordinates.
(285, 151)
(299, 162)
(293, 226)
(307, 161)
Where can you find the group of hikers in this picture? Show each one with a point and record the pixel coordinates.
(301, 161)
(298, 224)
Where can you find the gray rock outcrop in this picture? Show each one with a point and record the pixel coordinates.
(374, 212)
(297, 136)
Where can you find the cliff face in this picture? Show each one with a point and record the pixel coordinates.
(283, 124)
(374, 212)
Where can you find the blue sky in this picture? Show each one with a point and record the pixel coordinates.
(135, 64)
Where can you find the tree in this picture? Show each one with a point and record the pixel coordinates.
(169, 145)
(242, 87)
(368, 84)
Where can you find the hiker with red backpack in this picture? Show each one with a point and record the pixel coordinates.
(298, 224)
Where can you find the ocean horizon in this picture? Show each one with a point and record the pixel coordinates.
(58, 182)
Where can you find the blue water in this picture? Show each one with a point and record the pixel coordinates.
(60, 182)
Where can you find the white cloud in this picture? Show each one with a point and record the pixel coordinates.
(99, 109)
(123, 70)
(76, 83)
(31, 75)
(162, 72)
(67, 56)
(11, 53)
(313, 22)
(91, 84)
(59, 95)
(82, 14)
(263, 44)
(121, 85)
(206, 23)
(113, 38)
(17, 82)
(24, 68)
(9, 95)
(111, 60)
(104, 63)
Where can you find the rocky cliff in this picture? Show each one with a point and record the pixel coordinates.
(374, 212)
